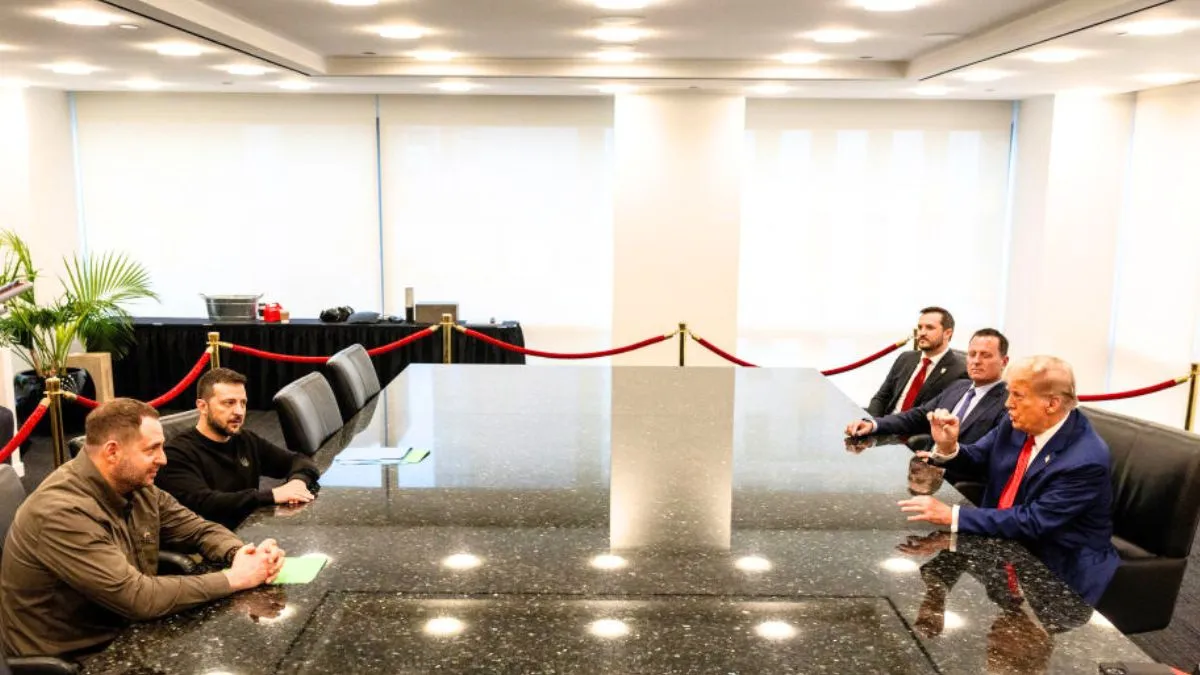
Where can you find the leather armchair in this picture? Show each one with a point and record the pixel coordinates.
(1156, 508)
(353, 378)
(308, 413)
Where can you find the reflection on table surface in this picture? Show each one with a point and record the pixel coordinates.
(590, 519)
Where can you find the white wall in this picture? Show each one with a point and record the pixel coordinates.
(37, 192)
(676, 221)
(37, 178)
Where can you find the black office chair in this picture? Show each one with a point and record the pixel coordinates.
(11, 496)
(308, 412)
(1156, 507)
(353, 378)
(173, 425)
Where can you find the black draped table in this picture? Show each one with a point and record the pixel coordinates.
(166, 348)
(598, 520)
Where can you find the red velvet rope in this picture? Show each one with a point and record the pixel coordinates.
(1090, 398)
(722, 353)
(24, 431)
(84, 401)
(273, 356)
(175, 391)
(553, 355)
(402, 342)
(859, 364)
(186, 382)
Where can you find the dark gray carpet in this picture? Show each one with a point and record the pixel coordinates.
(1178, 645)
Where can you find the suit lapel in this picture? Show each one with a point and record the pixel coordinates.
(984, 407)
(906, 371)
(940, 368)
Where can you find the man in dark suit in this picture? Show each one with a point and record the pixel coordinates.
(919, 376)
(1048, 482)
(977, 402)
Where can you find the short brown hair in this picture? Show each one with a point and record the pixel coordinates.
(947, 317)
(117, 419)
(204, 388)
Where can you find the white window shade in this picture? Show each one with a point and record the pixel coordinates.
(856, 214)
(503, 205)
(224, 194)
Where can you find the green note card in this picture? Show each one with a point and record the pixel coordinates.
(414, 455)
(301, 569)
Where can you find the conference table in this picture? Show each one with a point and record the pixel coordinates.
(586, 519)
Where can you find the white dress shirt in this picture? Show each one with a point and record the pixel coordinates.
(932, 367)
(1039, 442)
(980, 392)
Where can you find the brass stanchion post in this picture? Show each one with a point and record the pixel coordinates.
(214, 348)
(683, 332)
(1193, 393)
(447, 338)
(55, 394)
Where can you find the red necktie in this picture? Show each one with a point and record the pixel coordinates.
(1014, 482)
(911, 395)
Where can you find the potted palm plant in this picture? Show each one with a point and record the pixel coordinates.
(90, 310)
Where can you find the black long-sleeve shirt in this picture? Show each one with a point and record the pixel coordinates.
(219, 481)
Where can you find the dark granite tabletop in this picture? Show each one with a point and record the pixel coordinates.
(625, 520)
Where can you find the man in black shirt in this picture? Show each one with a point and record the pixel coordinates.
(215, 468)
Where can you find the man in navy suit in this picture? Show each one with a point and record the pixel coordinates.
(1048, 482)
(919, 376)
(978, 403)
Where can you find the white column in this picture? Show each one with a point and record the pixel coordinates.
(37, 192)
(676, 221)
(1072, 160)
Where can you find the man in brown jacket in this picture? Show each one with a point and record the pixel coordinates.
(80, 558)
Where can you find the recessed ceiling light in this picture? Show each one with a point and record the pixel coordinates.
(72, 68)
(615, 89)
(294, 85)
(888, 5)
(245, 70)
(1053, 55)
(454, 87)
(931, 90)
(1167, 78)
(941, 36)
(179, 49)
(770, 89)
(81, 17)
(983, 75)
(129, 26)
(836, 36)
(801, 58)
(144, 84)
(402, 32)
(616, 54)
(618, 33)
(434, 55)
(621, 5)
(13, 82)
(1157, 27)
(355, 3)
